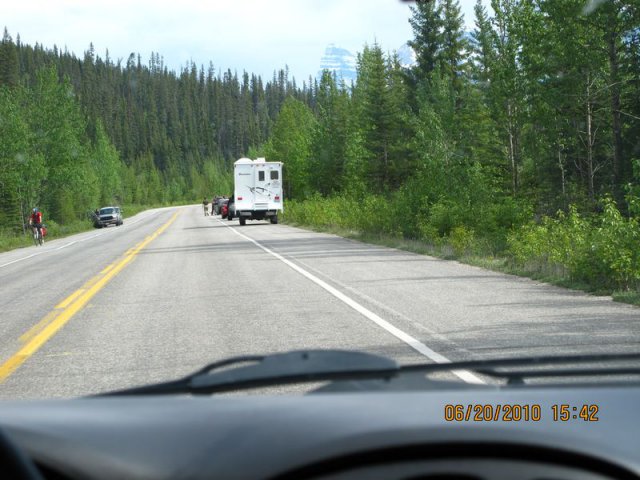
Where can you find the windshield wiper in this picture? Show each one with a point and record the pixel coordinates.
(518, 376)
(255, 371)
(277, 369)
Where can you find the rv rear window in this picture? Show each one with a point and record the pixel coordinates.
(261, 176)
(274, 174)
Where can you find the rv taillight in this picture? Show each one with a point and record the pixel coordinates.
(277, 198)
(239, 198)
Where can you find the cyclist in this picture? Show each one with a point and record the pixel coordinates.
(35, 220)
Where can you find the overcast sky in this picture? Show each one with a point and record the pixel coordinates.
(258, 36)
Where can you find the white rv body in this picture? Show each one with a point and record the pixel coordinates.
(257, 190)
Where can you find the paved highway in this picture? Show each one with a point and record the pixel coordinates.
(172, 290)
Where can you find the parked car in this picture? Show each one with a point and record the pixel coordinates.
(108, 216)
(217, 206)
(232, 208)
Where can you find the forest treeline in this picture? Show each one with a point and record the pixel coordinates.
(480, 143)
(81, 132)
(542, 101)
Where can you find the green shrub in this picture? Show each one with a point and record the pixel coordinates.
(462, 239)
(444, 216)
(602, 252)
(615, 252)
(428, 232)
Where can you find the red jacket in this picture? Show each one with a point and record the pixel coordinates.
(36, 217)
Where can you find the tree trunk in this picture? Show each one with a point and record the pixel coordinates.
(619, 169)
(512, 150)
(590, 143)
(562, 174)
(22, 215)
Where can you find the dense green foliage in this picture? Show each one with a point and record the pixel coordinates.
(600, 251)
(519, 139)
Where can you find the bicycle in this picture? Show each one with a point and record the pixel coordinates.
(38, 238)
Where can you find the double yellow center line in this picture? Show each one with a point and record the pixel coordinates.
(46, 328)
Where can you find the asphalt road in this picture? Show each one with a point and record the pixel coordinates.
(172, 290)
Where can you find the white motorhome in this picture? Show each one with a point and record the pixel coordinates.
(257, 193)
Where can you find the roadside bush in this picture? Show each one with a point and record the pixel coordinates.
(444, 216)
(368, 214)
(428, 233)
(53, 228)
(462, 239)
(405, 214)
(556, 246)
(527, 246)
(493, 222)
(602, 252)
(615, 251)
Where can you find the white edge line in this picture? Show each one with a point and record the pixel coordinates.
(84, 239)
(395, 331)
(22, 258)
(65, 245)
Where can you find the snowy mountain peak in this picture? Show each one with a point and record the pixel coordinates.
(340, 61)
(407, 56)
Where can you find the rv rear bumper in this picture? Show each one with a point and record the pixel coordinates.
(256, 214)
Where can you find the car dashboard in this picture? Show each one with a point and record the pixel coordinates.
(447, 433)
